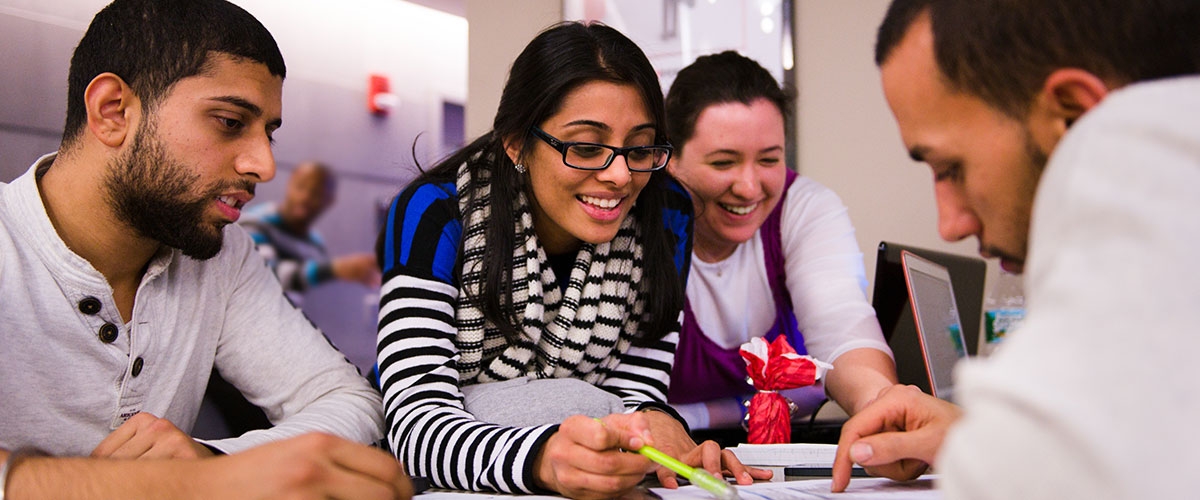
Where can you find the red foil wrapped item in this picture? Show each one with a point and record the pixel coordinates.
(772, 368)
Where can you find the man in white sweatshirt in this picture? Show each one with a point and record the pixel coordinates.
(1065, 137)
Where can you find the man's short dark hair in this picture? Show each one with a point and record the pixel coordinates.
(1003, 50)
(151, 44)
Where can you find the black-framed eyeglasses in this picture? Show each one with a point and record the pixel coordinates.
(592, 156)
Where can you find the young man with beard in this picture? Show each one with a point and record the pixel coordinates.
(1064, 134)
(123, 288)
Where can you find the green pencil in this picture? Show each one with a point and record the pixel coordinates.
(699, 477)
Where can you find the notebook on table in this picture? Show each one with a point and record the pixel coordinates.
(794, 460)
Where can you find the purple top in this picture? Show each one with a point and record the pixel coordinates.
(704, 370)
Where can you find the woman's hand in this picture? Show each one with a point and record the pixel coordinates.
(670, 437)
(586, 458)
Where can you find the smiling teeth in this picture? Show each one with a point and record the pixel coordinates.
(228, 200)
(740, 210)
(605, 203)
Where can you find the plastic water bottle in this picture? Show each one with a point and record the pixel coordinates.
(1004, 309)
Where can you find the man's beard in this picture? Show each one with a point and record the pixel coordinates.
(1035, 160)
(151, 192)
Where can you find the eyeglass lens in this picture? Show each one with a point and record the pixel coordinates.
(591, 156)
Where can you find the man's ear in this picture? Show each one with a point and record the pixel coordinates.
(1065, 96)
(110, 106)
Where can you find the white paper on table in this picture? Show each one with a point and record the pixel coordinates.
(873, 488)
(466, 495)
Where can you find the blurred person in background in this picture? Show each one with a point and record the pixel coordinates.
(285, 236)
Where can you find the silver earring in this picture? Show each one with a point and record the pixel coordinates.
(521, 168)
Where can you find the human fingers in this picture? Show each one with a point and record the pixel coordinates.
(570, 463)
(915, 430)
(145, 436)
(666, 477)
(697, 458)
(877, 417)
(742, 473)
(367, 461)
(596, 447)
(374, 469)
(366, 266)
(719, 462)
(729, 466)
(900, 470)
(317, 466)
(119, 436)
(344, 484)
(895, 455)
(632, 430)
(903, 425)
(359, 484)
(668, 436)
(891, 447)
(579, 483)
(708, 456)
(355, 267)
(580, 472)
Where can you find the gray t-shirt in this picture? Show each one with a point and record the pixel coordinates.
(71, 370)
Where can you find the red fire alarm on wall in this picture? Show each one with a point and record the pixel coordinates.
(380, 99)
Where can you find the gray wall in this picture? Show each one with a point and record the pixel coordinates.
(33, 89)
(330, 48)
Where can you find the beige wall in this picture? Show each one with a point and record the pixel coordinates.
(497, 31)
(847, 137)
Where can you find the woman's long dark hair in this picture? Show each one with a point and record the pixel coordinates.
(717, 79)
(559, 60)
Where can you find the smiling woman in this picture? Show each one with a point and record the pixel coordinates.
(572, 205)
(775, 253)
(537, 274)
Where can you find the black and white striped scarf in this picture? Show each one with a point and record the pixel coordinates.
(577, 333)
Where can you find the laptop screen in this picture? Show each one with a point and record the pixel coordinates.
(939, 327)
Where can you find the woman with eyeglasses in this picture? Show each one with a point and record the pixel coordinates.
(533, 283)
(774, 253)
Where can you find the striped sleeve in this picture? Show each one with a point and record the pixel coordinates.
(427, 427)
(644, 373)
